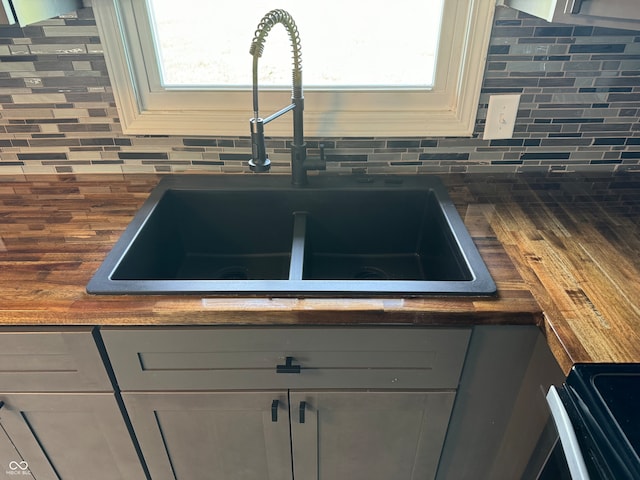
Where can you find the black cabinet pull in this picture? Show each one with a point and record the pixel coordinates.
(303, 406)
(288, 367)
(575, 7)
(274, 410)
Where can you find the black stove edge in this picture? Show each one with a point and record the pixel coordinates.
(609, 452)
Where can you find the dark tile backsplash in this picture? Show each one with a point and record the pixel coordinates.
(580, 90)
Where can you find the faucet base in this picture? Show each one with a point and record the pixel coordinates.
(298, 167)
(260, 168)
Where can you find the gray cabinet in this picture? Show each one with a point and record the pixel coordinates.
(289, 403)
(216, 435)
(372, 435)
(606, 13)
(50, 360)
(65, 436)
(59, 416)
(321, 435)
(273, 403)
(198, 358)
(500, 411)
(26, 12)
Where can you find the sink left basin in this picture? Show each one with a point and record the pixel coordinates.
(212, 235)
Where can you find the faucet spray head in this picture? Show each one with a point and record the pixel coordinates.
(259, 160)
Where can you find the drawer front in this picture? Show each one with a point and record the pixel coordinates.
(50, 360)
(269, 358)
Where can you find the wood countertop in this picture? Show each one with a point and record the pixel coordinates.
(564, 253)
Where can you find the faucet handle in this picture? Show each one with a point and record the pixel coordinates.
(315, 163)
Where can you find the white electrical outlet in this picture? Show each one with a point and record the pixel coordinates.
(501, 116)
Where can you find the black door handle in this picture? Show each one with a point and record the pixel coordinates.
(274, 410)
(303, 407)
(288, 367)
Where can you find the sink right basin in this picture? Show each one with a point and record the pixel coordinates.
(388, 235)
(258, 235)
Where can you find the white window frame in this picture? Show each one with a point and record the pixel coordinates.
(448, 109)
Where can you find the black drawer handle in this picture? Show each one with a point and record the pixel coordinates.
(575, 7)
(303, 407)
(274, 410)
(288, 367)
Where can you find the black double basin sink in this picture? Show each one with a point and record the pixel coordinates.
(257, 235)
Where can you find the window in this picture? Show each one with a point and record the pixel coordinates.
(341, 44)
(437, 95)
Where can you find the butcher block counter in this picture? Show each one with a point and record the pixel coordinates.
(564, 251)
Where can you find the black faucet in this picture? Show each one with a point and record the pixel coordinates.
(259, 159)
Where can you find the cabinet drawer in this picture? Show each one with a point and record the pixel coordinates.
(50, 360)
(268, 358)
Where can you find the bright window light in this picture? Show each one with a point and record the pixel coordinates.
(345, 44)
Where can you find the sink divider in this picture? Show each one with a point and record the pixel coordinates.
(298, 245)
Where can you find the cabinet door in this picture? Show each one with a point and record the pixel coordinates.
(32, 11)
(213, 435)
(65, 437)
(368, 435)
(605, 13)
(619, 9)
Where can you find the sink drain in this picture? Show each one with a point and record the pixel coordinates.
(371, 273)
(232, 273)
